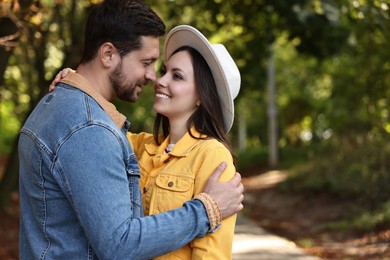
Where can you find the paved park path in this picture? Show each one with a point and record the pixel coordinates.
(251, 242)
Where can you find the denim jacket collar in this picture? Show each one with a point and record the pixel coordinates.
(181, 149)
(84, 85)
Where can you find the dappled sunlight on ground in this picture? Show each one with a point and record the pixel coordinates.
(265, 180)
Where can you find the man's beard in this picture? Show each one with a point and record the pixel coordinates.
(124, 91)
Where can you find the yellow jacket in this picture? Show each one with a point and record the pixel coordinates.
(168, 180)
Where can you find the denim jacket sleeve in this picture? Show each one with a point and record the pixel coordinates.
(91, 170)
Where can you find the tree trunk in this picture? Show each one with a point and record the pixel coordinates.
(272, 111)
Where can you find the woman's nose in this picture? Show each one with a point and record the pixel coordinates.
(162, 81)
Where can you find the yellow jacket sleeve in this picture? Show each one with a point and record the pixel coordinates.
(219, 244)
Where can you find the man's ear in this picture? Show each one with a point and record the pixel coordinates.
(109, 55)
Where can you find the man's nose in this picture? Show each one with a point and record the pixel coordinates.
(151, 74)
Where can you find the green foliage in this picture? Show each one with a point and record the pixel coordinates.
(363, 220)
(13, 107)
(9, 127)
(246, 159)
(359, 172)
(42, 48)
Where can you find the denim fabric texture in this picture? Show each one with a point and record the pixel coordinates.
(79, 186)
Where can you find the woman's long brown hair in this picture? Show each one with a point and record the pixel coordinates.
(208, 117)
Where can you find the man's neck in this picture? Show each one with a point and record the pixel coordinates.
(80, 82)
(98, 79)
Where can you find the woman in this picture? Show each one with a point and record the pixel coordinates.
(195, 110)
(194, 105)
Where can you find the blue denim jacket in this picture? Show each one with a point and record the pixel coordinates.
(79, 187)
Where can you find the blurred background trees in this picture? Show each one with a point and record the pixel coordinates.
(332, 64)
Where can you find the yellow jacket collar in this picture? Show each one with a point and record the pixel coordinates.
(181, 149)
(78, 81)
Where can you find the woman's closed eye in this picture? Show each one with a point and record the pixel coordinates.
(177, 76)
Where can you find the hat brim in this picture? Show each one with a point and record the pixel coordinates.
(184, 35)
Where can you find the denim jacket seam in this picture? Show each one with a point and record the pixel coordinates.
(90, 252)
(37, 142)
(44, 210)
(48, 152)
(88, 108)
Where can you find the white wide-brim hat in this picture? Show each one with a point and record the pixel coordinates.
(225, 72)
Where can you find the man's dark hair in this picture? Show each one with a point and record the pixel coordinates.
(121, 22)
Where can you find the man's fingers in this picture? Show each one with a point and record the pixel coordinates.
(60, 75)
(65, 72)
(213, 179)
(218, 171)
(229, 194)
(240, 189)
(236, 180)
(242, 197)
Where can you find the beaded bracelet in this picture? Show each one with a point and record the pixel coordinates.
(212, 209)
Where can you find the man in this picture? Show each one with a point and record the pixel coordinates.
(79, 178)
